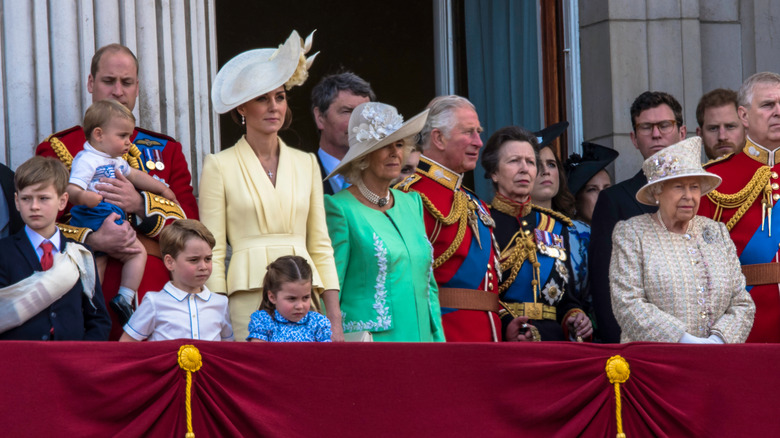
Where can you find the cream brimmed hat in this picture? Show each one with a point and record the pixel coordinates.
(256, 72)
(374, 125)
(680, 160)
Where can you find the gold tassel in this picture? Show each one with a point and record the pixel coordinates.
(190, 361)
(618, 372)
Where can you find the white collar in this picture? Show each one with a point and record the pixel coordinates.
(90, 148)
(36, 239)
(181, 295)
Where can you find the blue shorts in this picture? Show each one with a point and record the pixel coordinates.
(92, 218)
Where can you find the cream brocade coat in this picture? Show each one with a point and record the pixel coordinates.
(240, 206)
(665, 284)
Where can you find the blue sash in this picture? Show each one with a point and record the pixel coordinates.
(472, 271)
(762, 248)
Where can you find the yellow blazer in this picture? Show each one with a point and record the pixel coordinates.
(240, 206)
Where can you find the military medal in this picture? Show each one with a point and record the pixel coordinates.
(149, 162)
(158, 158)
(472, 217)
(550, 244)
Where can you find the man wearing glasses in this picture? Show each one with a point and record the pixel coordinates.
(657, 121)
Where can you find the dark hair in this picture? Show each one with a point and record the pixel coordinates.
(285, 269)
(654, 99)
(110, 48)
(715, 98)
(174, 237)
(563, 201)
(42, 170)
(324, 93)
(496, 141)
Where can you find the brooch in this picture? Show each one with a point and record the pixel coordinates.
(708, 234)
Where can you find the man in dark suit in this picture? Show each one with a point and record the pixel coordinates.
(10, 221)
(332, 102)
(656, 118)
(54, 313)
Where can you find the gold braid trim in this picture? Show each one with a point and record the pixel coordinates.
(459, 208)
(743, 198)
(459, 211)
(133, 157)
(556, 214)
(62, 152)
(524, 249)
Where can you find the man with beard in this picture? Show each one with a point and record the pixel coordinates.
(720, 129)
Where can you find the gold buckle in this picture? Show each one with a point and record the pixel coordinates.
(533, 310)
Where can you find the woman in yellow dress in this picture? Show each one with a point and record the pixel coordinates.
(262, 197)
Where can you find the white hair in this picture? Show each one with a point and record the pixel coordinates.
(442, 116)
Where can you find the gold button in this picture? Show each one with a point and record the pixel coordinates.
(775, 197)
(774, 175)
(489, 267)
(524, 223)
(527, 232)
(775, 186)
(490, 276)
(490, 286)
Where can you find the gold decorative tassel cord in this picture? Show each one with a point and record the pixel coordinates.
(190, 361)
(618, 372)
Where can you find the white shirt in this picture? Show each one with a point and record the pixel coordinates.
(91, 164)
(36, 240)
(329, 162)
(175, 314)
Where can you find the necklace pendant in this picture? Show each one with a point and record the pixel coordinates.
(382, 202)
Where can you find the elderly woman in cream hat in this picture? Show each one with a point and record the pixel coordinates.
(675, 276)
(383, 257)
(261, 196)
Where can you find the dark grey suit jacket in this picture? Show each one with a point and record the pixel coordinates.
(615, 204)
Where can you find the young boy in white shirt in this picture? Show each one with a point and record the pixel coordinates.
(185, 308)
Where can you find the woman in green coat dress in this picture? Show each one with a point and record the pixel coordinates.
(383, 257)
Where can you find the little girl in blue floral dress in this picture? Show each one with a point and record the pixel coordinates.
(284, 314)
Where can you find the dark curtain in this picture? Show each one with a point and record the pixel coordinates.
(502, 51)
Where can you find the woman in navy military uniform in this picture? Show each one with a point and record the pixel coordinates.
(534, 244)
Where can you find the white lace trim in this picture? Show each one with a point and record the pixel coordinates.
(383, 320)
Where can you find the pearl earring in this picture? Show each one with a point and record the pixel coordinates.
(243, 120)
(657, 202)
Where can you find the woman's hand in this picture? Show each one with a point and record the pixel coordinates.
(330, 298)
(579, 325)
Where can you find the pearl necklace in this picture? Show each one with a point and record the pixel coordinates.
(371, 196)
(687, 231)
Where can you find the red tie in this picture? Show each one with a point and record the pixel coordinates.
(46, 259)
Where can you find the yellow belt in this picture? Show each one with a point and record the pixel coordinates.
(531, 310)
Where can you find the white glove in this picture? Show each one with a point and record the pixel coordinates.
(715, 339)
(690, 339)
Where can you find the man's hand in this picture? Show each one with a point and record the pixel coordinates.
(519, 330)
(121, 192)
(579, 325)
(112, 239)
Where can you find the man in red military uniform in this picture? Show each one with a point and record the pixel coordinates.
(114, 75)
(746, 200)
(458, 224)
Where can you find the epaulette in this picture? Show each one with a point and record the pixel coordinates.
(74, 233)
(718, 160)
(557, 215)
(155, 134)
(407, 182)
(439, 173)
(64, 132)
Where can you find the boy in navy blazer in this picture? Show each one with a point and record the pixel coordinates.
(40, 195)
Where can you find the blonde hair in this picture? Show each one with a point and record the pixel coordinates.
(175, 236)
(353, 171)
(100, 113)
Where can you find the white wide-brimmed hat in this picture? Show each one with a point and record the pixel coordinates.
(256, 72)
(680, 160)
(374, 125)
